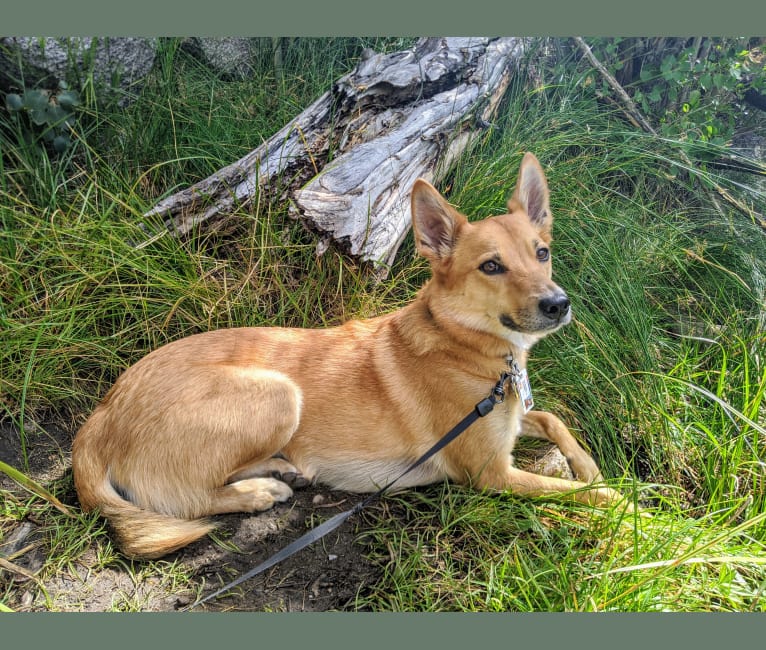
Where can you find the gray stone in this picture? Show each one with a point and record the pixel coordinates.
(116, 63)
(230, 58)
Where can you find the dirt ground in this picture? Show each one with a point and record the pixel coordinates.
(325, 576)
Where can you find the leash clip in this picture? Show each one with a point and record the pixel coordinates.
(498, 392)
(497, 396)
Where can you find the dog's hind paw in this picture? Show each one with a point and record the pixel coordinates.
(251, 495)
(295, 480)
(278, 489)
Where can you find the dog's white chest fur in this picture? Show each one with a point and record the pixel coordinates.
(359, 475)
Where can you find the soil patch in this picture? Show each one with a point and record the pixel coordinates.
(327, 575)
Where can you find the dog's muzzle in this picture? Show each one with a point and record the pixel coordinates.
(553, 311)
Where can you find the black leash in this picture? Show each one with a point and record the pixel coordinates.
(484, 407)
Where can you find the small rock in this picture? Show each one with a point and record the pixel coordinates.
(545, 460)
(318, 498)
(17, 539)
(332, 557)
(182, 601)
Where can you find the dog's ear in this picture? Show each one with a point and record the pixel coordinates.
(531, 193)
(434, 221)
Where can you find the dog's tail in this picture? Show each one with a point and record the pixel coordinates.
(140, 533)
(144, 534)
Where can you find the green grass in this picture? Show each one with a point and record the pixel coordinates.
(452, 550)
(661, 374)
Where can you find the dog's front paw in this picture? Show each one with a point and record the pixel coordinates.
(585, 468)
(605, 497)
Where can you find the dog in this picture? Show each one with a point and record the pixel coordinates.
(228, 420)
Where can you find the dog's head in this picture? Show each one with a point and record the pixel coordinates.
(494, 275)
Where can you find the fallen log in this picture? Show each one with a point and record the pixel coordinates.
(346, 164)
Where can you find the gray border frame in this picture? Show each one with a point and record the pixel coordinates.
(393, 17)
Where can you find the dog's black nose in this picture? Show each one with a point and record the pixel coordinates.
(555, 306)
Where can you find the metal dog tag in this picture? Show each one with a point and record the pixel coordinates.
(523, 389)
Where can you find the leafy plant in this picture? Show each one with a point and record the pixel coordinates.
(45, 114)
(692, 89)
(703, 88)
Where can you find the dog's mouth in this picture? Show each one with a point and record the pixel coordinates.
(511, 324)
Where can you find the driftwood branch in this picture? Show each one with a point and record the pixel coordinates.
(629, 104)
(347, 163)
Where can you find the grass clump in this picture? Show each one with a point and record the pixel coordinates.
(454, 550)
(661, 373)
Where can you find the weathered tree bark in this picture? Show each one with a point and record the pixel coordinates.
(347, 163)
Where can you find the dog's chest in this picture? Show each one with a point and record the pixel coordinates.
(492, 435)
(502, 427)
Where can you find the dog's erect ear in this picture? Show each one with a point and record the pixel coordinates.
(531, 192)
(434, 222)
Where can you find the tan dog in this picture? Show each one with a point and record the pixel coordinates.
(193, 428)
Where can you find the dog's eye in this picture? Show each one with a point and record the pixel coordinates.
(490, 267)
(543, 254)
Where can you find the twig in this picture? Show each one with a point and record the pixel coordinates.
(695, 48)
(629, 104)
(19, 570)
(618, 107)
